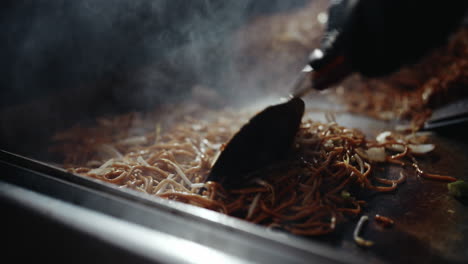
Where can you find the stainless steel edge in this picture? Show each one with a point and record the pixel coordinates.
(148, 243)
(210, 229)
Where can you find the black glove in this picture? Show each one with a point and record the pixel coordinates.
(377, 37)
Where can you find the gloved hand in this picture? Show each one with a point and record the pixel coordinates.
(377, 37)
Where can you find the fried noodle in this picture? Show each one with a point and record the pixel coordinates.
(307, 194)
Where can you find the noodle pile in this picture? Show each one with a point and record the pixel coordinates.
(308, 194)
(439, 78)
(152, 159)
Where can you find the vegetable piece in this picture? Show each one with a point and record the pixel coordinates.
(345, 194)
(382, 137)
(359, 240)
(396, 147)
(376, 154)
(421, 148)
(458, 189)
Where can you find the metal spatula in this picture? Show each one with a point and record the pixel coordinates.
(264, 140)
(268, 136)
(453, 114)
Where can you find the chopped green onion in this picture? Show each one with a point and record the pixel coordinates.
(345, 194)
(458, 189)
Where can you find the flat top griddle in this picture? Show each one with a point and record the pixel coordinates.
(430, 225)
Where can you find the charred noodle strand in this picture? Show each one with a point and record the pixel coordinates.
(369, 185)
(361, 176)
(339, 187)
(354, 211)
(385, 144)
(236, 205)
(317, 181)
(282, 205)
(396, 161)
(317, 218)
(400, 155)
(260, 218)
(432, 176)
(383, 220)
(306, 212)
(382, 188)
(334, 199)
(392, 182)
